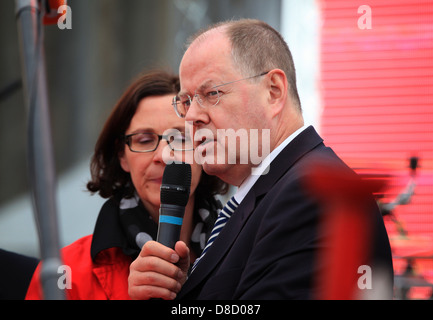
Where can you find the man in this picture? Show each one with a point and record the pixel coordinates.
(240, 75)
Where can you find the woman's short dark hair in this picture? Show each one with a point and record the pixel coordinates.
(107, 176)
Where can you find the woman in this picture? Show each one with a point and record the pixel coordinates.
(127, 168)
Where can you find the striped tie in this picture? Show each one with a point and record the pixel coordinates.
(223, 217)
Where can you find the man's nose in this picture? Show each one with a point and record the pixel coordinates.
(196, 113)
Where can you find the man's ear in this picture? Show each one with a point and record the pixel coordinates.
(278, 87)
(123, 161)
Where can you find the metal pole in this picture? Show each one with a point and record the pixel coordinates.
(40, 151)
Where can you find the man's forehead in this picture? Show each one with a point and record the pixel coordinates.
(205, 64)
(207, 47)
(215, 34)
(191, 84)
(208, 77)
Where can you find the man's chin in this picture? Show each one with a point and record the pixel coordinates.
(216, 169)
(230, 173)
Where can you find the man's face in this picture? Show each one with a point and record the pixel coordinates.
(241, 107)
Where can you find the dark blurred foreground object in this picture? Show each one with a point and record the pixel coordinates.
(16, 270)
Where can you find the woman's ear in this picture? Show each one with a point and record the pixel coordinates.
(278, 87)
(123, 161)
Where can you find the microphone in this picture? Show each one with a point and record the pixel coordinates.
(175, 188)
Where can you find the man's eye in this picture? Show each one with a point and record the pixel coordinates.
(184, 101)
(212, 93)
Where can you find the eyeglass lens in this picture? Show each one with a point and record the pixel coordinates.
(146, 142)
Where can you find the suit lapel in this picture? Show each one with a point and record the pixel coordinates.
(296, 149)
(303, 143)
(221, 244)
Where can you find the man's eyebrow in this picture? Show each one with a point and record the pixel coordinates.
(206, 84)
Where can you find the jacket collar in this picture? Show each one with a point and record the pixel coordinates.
(302, 144)
(110, 230)
(295, 150)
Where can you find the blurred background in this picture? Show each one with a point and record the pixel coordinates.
(365, 77)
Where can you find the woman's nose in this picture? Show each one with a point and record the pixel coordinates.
(163, 153)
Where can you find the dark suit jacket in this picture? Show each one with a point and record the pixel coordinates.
(16, 271)
(268, 249)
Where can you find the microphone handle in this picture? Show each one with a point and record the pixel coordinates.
(170, 223)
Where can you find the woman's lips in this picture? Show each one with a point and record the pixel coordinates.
(156, 180)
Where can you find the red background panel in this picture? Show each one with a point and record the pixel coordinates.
(377, 97)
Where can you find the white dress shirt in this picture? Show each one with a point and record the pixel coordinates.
(248, 183)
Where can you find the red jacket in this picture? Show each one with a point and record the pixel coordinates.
(104, 278)
(99, 263)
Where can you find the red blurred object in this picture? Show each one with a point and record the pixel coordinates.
(51, 11)
(346, 225)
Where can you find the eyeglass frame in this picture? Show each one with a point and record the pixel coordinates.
(196, 95)
(160, 137)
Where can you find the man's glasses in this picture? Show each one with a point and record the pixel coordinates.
(148, 142)
(206, 97)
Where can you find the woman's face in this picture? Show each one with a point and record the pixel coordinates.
(155, 114)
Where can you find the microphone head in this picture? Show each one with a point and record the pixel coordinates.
(176, 184)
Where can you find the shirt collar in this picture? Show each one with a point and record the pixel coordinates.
(249, 182)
